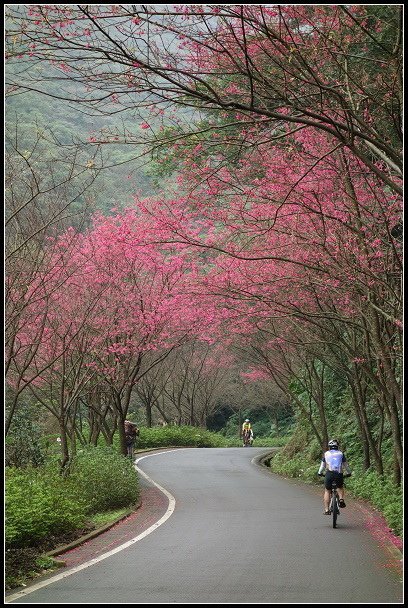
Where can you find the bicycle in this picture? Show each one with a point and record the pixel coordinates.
(247, 439)
(334, 506)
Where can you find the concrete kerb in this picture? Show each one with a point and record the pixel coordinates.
(92, 534)
(263, 459)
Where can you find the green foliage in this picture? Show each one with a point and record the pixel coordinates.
(382, 493)
(261, 424)
(219, 418)
(179, 436)
(104, 479)
(296, 466)
(232, 426)
(107, 517)
(23, 442)
(298, 440)
(45, 563)
(191, 436)
(270, 442)
(122, 175)
(39, 503)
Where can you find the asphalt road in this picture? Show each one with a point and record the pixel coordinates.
(238, 534)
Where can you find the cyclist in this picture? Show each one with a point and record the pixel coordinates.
(131, 432)
(333, 464)
(246, 425)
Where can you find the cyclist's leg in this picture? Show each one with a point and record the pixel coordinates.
(340, 488)
(326, 499)
(327, 490)
(129, 448)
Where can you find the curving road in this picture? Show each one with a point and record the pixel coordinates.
(237, 534)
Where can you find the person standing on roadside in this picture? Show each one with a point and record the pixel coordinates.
(131, 432)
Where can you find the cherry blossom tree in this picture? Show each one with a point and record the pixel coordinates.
(118, 306)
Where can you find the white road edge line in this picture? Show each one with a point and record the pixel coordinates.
(168, 513)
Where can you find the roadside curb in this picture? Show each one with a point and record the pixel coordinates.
(262, 460)
(90, 535)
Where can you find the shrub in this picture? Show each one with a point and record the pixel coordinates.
(158, 437)
(104, 479)
(23, 442)
(39, 503)
(296, 442)
(179, 436)
(382, 493)
(269, 442)
(293, 467)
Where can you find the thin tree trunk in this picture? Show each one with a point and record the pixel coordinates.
(366, 425)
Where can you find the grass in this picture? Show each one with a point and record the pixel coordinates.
(103, 519)
(25, 564)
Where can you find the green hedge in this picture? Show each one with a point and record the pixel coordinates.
(269, 442)
(157, 437)
(382, 493)
(179, 436)
(104, 479)
(40, 503)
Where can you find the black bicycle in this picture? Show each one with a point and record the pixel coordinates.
(334, 506)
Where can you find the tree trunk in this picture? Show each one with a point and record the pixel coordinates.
(64, 447)
(360, 398)
(276, 418)
(319, 400)
(148, 405)
(397, 470)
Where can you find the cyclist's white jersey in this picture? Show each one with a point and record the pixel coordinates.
(333, 460)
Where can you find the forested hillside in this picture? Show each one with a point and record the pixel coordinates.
(45, 126)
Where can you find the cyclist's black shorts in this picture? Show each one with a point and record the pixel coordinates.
(333, 476)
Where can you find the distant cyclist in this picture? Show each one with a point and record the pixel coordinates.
(246, 425)
(333, 464)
